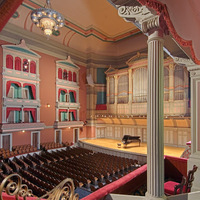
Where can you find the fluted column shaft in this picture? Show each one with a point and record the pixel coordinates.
(155, 144)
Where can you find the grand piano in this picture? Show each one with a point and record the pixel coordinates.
(127, 139)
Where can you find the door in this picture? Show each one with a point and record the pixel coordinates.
(6, 142)
(36, 140)
(58, 137)
(76, 135)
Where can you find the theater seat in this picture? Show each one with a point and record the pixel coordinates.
(173, 188)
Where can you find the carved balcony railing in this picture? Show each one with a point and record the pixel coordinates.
(12, 186)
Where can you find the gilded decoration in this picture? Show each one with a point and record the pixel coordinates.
(12, 186)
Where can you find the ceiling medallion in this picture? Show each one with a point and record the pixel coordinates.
(47, 19)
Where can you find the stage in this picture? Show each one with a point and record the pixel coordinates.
(132, 147)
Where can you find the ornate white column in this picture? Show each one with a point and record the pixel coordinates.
(155, 141)
(171, 82)
(154, 26)
(194, 158)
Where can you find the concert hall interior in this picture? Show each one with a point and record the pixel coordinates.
(101, 96)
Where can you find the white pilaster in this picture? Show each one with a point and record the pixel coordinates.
(107, 92)
(171, 82)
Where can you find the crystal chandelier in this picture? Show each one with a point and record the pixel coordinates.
(47, 19)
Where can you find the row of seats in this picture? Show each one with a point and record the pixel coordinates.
(16, 150)
(48, 169)
(50, 145)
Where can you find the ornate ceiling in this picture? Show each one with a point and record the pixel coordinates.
(94, 27)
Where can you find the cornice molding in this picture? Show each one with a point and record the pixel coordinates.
(13, 34)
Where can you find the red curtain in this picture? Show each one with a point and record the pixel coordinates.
(59, 91)
(74, 113)
(70, 76)
(33, 112)
(74, 76)
(33, 67)
(62, 110)
(9, 62)
(101, 107)
(8, 84)
(11, 109)
(32, 88)
(60, 73)
(18, 63)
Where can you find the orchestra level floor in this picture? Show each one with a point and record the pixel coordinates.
(133, 147)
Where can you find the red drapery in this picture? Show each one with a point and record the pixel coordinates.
(33, 112)
(62, 110)
(101, 107)
(33, 67)
(18, 63)
(70, 76)
(74, 76)
(60, 73)
(32, 88)
(11, 109)
(8, 84)
(9, 62)
(59, 91)
(74, 113)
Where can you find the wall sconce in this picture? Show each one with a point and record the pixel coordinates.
(48, 105)
(23, 131)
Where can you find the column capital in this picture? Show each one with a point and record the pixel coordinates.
(171, 66)
(193, 68)
(147, 19)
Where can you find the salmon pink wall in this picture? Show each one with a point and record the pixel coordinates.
(67, 135)
(20, 138)
(91, 132)
(82, 99)
(47, 135)
(47, 72)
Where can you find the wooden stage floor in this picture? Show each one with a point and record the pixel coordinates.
(133, 147)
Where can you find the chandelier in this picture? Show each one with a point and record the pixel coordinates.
(47, 19)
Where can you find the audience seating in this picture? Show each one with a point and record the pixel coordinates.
(87, 169)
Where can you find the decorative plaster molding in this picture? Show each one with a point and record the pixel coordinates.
(191, 66)
(137, 12)
(146, 18)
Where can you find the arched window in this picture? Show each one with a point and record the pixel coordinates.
(112, 91)
(33, 67)
(70, 76)
(9, 62)
(60, 73)
(72, 96)
(65, 75)
(123, 89)
(140, 85)
(74, 76)
(166, 84)
(13, 89)
(25, 65)
(179, 83)
(18, 63)
(29, 91)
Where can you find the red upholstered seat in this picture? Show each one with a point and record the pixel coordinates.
(172, 187)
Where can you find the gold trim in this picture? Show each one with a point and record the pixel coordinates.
(12, 186)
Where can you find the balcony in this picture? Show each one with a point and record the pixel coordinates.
(68, 124)
(13, 127)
